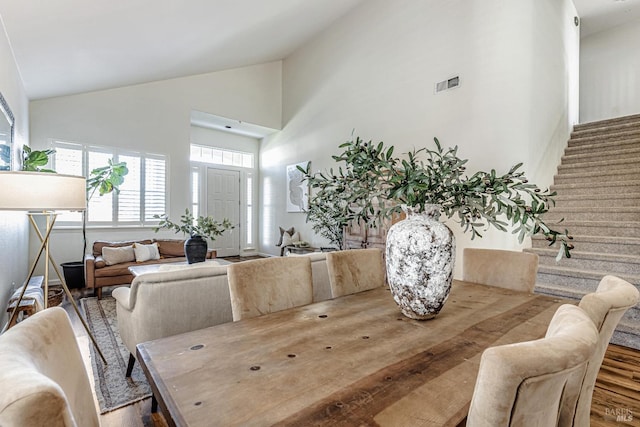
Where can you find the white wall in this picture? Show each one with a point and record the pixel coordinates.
(154, 117)
(374, 71)
(14, 261)
(610, 73)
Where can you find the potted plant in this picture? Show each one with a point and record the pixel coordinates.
(198, 229)
(103, 180)
(36, 160)
(371, 184)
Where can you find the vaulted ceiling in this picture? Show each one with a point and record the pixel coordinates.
(72, 46)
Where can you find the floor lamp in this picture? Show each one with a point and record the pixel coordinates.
(42, 194)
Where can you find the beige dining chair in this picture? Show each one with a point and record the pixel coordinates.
(44, 379)
(605, 306)
(500, 268)
(521, 384)
(268, 285)
(355, 270)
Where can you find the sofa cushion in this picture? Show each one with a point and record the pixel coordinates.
(118, 255)
(123, 269)
(282, 231)
(99, 244)
(146, 252)
(170, 247)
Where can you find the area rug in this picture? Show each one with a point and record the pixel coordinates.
(113, 389)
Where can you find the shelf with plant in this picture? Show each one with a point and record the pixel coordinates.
(370, 184)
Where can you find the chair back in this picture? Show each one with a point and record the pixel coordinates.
(355, 270)
(44, 379)
(504, 269)
(320, 275)
(521, 384)
(605, 307)
(267, 285)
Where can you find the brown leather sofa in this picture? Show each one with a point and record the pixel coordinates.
(98, 274)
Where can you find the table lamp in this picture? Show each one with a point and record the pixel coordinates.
(42, 194)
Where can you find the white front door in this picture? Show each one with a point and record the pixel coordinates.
(223, 201)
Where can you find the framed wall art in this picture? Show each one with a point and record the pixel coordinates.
(297, 188)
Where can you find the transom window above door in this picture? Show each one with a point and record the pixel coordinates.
(220, 156)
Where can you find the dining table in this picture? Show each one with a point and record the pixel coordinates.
(350, 361)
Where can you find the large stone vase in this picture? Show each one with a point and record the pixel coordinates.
(420, 253)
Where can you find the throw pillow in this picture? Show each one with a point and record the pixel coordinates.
(290, 240)
(118, 255)
(282, 231)
(146, 252)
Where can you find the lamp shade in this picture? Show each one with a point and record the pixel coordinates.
(24, 191)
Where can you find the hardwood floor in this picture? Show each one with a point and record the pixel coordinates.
(616, 398)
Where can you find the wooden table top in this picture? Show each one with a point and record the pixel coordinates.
(354, 360)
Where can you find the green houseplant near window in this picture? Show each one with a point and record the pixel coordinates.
(36, 160)
(104, 180)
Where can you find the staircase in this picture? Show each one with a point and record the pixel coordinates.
(598, 186)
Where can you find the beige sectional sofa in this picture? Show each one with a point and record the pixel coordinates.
(184, 298)
(99, 272)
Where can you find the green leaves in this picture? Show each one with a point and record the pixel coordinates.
(34, 160)
(106, 179)
(204, 226)
(370, 184)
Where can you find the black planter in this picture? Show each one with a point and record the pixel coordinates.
(195, 249)
(73, 274)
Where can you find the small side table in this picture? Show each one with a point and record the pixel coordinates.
(299, 250)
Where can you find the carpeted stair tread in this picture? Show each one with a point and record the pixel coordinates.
(599, 228)
(597, 244)
(632, 259)
(624, 161)
(603, 210)
(607, 122)
(613, 136)
(596, 213)
(596, 200)
(601, 146)
(606, 129)
(615, 264)
(600, 176)
(599, 239)
(604, 158)
(585, 274)
(617, 187)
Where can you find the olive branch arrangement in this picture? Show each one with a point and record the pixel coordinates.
(370, 185)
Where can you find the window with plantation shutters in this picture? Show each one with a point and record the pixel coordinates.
(141, 196)
(155, 187)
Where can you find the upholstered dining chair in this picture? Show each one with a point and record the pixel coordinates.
(500, 268)
(355, 270)
(605, 306)
(521, 384)
(44, 379)
(268, 285)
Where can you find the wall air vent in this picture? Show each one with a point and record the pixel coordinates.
(448, 84)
